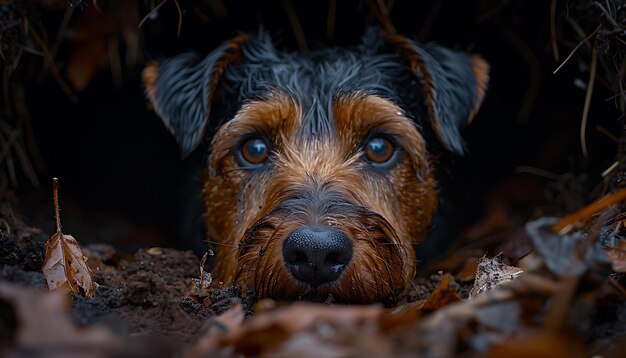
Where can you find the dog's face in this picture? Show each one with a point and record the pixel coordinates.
(320, 181)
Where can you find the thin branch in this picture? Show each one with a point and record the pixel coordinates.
(608, 134)
(576, 48)
(180, 18)
(538, 172)
(592, 79)
(55, 193)
(153, 11)
(555, 46)
(608, 16)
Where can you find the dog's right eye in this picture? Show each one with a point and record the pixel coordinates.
(379, 150)
(254, 151)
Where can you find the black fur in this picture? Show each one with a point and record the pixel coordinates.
(314, 79)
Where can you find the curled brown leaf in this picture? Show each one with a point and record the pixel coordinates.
(64, 262)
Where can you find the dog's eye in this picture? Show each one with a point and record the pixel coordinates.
(379, 150)
(254, 151)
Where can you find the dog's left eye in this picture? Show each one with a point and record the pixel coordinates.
(379, 150)
(254, 151)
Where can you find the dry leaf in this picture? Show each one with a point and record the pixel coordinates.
(43, 322)
(268, 331)
(559, 252)
(442, 295)
(491, 272)
(617, 256)
(65, 262)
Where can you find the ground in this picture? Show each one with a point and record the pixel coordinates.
(530, 261)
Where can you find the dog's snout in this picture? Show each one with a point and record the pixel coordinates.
(317, 254)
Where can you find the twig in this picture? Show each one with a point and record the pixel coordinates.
(32, 51)
(576, 49)
(555, 45)
(55, 193)
(180, 18)
(590, 209)
(608, 16)
(609, 135)
(156, 8)
(295, 25)
(592, 79)
(608, 170)
(539, 172)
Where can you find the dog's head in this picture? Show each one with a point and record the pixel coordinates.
(319, 180)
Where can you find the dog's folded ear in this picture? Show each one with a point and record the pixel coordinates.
(181, 89)
(453, 84)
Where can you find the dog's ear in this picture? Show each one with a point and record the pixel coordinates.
(181, 89)
(453, 84)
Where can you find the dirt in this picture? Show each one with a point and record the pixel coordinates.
(147, 294)
(148, 304)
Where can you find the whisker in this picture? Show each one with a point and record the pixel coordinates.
(234, 246)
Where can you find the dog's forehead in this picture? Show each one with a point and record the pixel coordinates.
(315, 80)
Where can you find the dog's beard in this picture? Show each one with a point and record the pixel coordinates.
(380, 270)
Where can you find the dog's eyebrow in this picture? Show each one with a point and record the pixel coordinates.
(357, 114)
(274, 115)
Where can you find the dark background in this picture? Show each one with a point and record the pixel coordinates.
(120, 171)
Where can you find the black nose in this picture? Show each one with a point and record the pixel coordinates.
(317, 254)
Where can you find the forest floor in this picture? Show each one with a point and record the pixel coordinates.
(561, 298)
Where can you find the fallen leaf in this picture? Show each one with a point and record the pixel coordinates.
(538, 344)
(491, 272)
(268, 331)
(43, 322)
(64, 261)
(559, 252)
(442, 295)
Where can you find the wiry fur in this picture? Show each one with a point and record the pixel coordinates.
(317, 111)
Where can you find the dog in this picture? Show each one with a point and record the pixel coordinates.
(320, 174)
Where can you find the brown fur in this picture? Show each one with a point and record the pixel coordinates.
(391, 212)
(317, 173)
